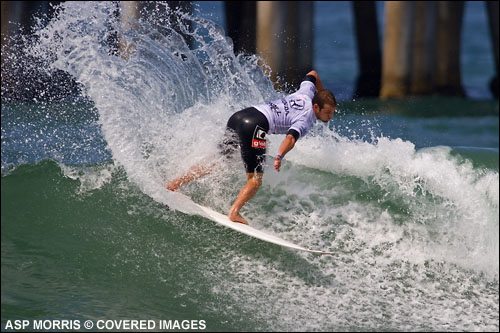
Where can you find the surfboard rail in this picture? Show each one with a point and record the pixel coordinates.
(246, 229)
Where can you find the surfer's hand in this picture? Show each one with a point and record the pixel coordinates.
(277, 163)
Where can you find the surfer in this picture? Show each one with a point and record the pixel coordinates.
(292, 115)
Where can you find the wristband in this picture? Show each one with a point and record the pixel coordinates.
(279, 156)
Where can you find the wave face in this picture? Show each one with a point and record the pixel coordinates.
(88, 225)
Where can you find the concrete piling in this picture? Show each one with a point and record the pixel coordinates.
(241, 21)
(397, 56)
(448, 35)
(368, 47)
(492, 9)
(424, 48)
(284, 41)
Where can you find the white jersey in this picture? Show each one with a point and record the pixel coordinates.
(291, 112)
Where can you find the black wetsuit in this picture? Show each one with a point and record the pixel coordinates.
(247, 129)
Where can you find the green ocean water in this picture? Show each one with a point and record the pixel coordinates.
(405, 193)
(107, 253)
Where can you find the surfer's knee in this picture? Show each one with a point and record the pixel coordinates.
(254, 179)
(256, 182)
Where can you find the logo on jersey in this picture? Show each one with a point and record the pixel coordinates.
(297, 104)
(273, 107)
(285, 106)
(259, 138)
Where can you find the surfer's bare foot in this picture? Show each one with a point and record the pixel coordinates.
(171, 188)
(173, 185)
(236, 217)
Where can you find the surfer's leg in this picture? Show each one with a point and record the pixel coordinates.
(252, 134)
(194, 172)
(228, 145)
(254, 180)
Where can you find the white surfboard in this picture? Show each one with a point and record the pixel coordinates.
(243, 228)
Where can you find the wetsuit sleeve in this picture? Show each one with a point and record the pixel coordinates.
(294, 133)
(310, 78)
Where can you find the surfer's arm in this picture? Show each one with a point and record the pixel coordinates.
(318, 84)
(285, 147)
